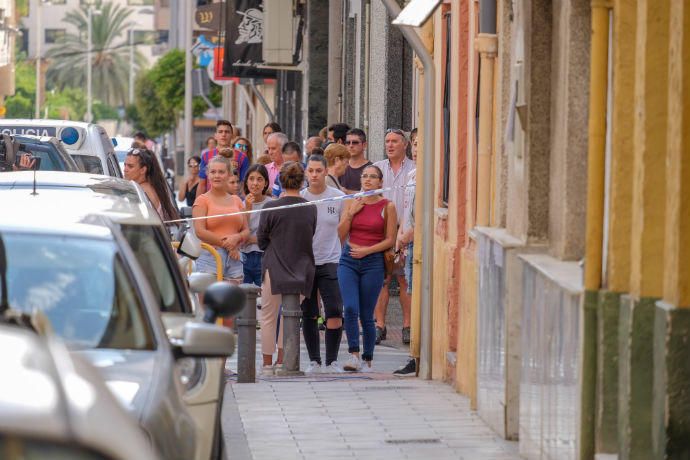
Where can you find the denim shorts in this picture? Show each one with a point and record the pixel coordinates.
(232, 269)
(408, 267)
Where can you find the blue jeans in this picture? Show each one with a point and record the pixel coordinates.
(251, 262)
(408, 267)
(360, 282)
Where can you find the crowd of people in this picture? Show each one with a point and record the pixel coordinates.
(340, 255)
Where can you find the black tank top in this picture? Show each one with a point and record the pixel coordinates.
(190, 195)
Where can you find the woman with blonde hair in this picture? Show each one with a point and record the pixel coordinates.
(226, 234)
(337, 157)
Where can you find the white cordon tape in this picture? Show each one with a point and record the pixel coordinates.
(296, 205)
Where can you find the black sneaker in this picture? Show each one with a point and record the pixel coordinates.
(408, 370)
(406, 335)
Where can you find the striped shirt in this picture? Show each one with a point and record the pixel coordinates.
(399, 179)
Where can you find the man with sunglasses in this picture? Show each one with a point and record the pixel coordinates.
(356, 143)
(224, 136)
(396, 170)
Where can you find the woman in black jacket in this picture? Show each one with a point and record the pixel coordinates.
(285, 236)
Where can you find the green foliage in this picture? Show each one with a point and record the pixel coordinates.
(21, 105)
(110, 57)
(68, 104)
(154, 114)
(159, 96)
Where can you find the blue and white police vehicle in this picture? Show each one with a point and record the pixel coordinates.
(87, 143)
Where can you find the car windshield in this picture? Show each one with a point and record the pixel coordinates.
(80, 287)
(121, 155)
(88, 163)
(51, 158)
(149, 251)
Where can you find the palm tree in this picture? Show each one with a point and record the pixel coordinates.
(109, 57)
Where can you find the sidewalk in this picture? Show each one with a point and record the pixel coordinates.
(371, 415)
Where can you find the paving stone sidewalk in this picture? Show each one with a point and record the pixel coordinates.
(369, 415)
(353, 417)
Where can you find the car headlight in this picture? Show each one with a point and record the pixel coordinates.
(191, 371)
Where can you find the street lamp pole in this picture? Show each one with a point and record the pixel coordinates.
(89, 115)
(131, 66)
(39, 40)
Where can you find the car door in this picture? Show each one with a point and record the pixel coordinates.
(205, 377)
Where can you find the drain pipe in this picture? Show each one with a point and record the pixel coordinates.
(427, 185)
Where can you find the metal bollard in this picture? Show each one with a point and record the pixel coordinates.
(291, 320)
(246, 342)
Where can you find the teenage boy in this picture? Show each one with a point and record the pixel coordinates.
(356, 143)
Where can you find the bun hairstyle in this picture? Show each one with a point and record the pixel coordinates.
(292, 175)
(220, 159)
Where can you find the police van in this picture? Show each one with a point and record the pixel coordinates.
(87, 143)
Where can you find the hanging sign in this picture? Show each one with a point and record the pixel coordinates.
(244, 35)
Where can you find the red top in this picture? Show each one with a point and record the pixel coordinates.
(368, 226)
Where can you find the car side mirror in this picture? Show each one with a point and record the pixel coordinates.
(223, 299)
(205, 341)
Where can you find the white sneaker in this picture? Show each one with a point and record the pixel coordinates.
(267, 370)
(333, 368)
(353, 364)
(313, 368)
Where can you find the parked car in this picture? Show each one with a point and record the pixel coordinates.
(53, 404)
(47, 152)
(87, 143)
(126, 205)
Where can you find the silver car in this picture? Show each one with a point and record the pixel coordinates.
(53, 404)
(74, 196)
(78, 270)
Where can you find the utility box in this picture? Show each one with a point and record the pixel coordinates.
(281, 27)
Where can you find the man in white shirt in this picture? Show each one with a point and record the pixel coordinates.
(396, 170)
(327, 248)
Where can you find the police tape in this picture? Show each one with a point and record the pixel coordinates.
(378, 191)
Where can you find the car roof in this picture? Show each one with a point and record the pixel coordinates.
(65, 198)
(41, 139)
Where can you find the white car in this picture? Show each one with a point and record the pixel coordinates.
(75, 196)
(87, 143)
(53, 404)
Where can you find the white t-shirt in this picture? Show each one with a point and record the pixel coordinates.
(326, 243)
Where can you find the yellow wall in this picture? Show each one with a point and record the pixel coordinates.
(440, 310)
(466, 369)
(677, 253)
(623, 122)
(649, 187)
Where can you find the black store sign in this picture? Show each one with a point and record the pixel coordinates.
(244, 34)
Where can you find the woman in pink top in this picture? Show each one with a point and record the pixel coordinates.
(226, 234)
(368, 228)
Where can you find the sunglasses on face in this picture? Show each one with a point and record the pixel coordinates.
(371, 176)
(193, 165)
(352, 142)
(242, 147)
